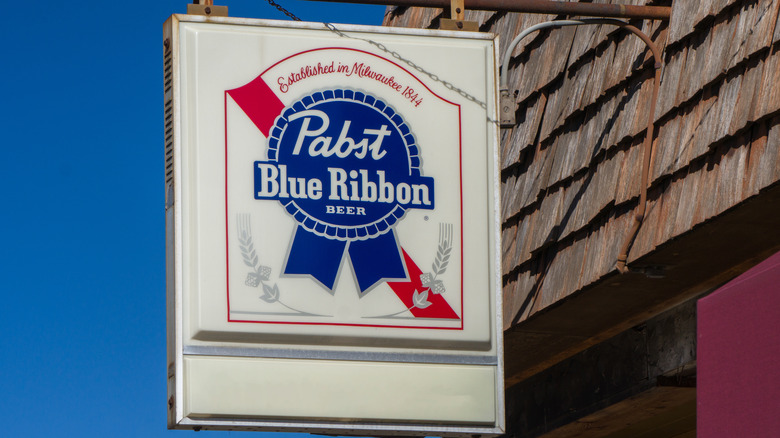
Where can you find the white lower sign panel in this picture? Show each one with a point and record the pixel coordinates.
(332, 211)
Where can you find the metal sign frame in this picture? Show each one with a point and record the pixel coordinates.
(209, 370)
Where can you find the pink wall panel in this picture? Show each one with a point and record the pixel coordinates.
(738, 356)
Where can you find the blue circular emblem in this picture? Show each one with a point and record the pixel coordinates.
(346, 165)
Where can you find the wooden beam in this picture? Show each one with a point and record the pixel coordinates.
(620, 384)
(658, 412)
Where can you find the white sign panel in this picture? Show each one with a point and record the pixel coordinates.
(332, 207)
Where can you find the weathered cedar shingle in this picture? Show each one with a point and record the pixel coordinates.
(758, 143)
(718, 42)
(593, 248)
(707, 181)
(567, 220)
(544, 63)
(683, 18)
(583, 41)
(642, 114)
(606, 180)
(601, 59)
(598, 130)
(668, 152)
(614, 115)
(690, 121)
(519, 307)
(732, 171)
(687, 206)
(765, 21)
(769, 164)
(769, 92)
(523, 250)
(645, 238)
(615, 225)
(577, 215)
(544, 230)
(568, 147)
(556, 268)
(742, 113)
(512, 300)
(552, 114)
(633, 53)
(576, 265)
(667, 210)
(522, 189)
(579, 79)
(523, 136)
(512, 186)
(776, 35)
(727, 99)
(737, 51)
(705, 124)
(627, 109)
(630, 169)
(695, 59)
(671, 81)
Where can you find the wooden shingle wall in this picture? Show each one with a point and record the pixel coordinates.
(571, 166)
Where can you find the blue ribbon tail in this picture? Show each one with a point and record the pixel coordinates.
(315, 255)
(376, 259)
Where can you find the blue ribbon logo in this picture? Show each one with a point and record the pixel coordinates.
(345, 166)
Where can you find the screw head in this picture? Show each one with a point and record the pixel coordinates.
(208, 10)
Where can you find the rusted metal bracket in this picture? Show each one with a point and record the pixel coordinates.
(458, 19)
(506, 109)
(507, 113)
(537, 7)
(206, 7)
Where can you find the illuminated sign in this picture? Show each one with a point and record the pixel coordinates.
(332, 211)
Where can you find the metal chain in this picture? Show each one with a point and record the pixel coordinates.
(283, 10)
(382, 47)
(410, 63)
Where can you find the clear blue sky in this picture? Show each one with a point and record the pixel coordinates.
(82, 271)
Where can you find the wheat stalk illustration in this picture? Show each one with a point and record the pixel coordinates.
(260, 274)
(444, 250)
(430, 282)
(248, 254)
(440, 263)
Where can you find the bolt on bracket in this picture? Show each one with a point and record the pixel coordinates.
(206, 7)
(457, 19)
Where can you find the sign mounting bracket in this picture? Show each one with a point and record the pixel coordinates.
(457, 20)
(206, 7)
